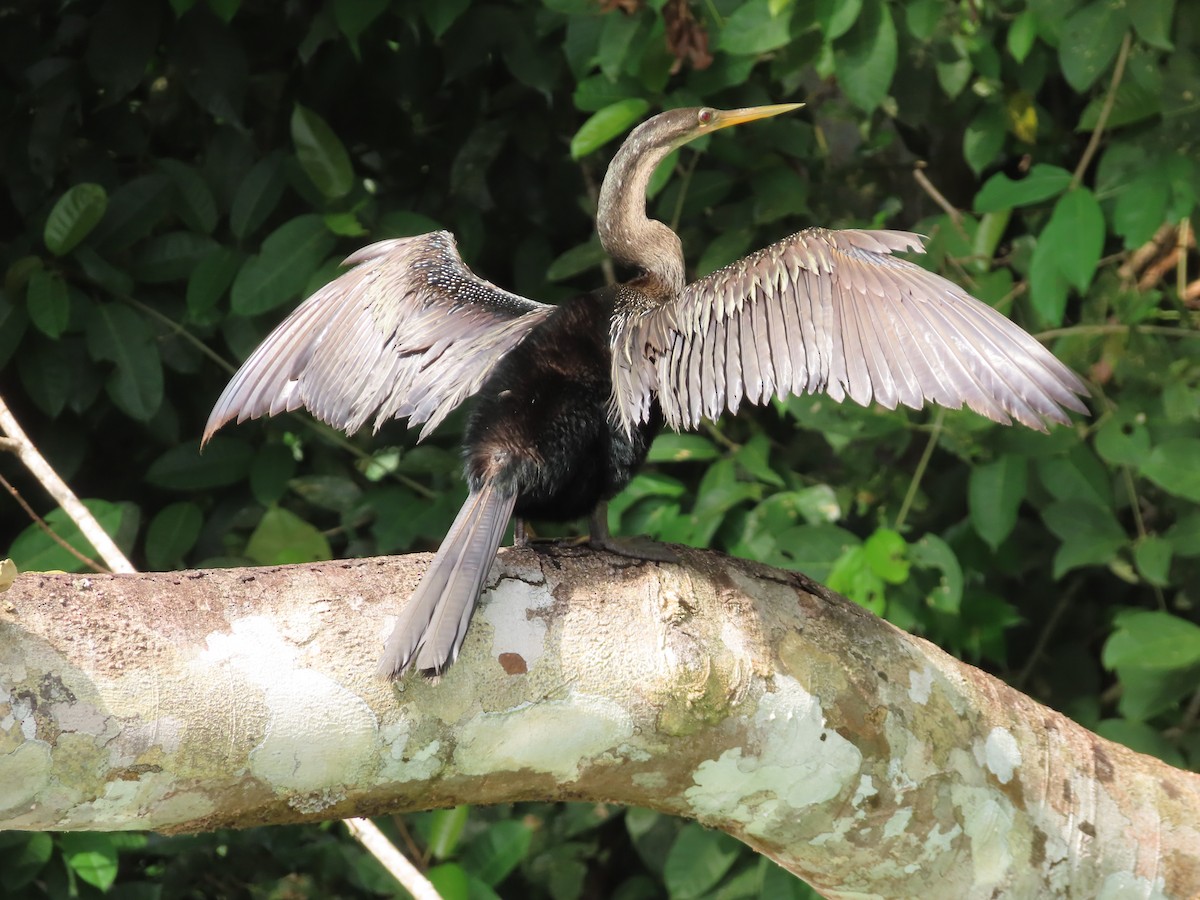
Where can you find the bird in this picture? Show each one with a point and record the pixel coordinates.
(567, 398)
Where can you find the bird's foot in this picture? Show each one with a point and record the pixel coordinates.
(635, 548)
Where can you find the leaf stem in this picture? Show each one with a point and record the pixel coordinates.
(1110, 98)
(934, 433)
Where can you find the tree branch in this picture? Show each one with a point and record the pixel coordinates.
(863, 759)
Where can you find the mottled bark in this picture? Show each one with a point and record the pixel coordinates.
(863, 759)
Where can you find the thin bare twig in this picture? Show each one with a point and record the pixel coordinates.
(63, 495)
(938, 197)
(45, 526)
(934, 433)
(1110, 98)
(377, 843)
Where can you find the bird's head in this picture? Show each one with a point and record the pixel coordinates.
(676, 127)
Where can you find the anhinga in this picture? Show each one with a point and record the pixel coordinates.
(569, 397)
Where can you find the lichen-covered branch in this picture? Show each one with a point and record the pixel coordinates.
(863, 759)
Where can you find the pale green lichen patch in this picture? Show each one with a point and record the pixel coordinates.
(294, 755)
(400, 762)
(586, 726)
(987, 819)
(1001, 754)
(123, 801)
(1127, 886)
(516, 626)
(26, 772)
(920, 684)
(790, 762)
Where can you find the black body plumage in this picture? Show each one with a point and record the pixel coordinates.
(540, 424)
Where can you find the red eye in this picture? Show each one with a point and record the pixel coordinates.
(707, 115)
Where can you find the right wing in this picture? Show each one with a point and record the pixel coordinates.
(833, 312)
(409, 331)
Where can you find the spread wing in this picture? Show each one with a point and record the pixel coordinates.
(833, 311)
(409, 331)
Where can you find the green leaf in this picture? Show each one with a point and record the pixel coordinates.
(867, 58)
(92, 856)
(445, 829)
(224, 461)
(450, 881)
(931, 552)
(886, 552)
(755, 28)
(257, 196)
(1152, 556)
(1173, 466)
(1141, 208)
(601, 127)
(1152, 640)
(441, 14)
(836, 17)
(1067, 252)
(496, 852)
(47, 302)
(196, 205)
(289, 257)
(1021, 35)
(1142, 738)
(1123, 440)
(994, 495)
(172, 256)
(1132, 103)
(282, 537)
(1078, 475)
(353, 17)
(321, 153)
(1090, 38)
(35, 551)
(25, 854)
(211, 279)
(921, 17)
(73, 217)
(117, 334)
(172, 533)
(1001, 192)
(134, 209)
(670, 446)
(1152, 21)
(1078, 225)
(698, 859)
(1090, 534)
(984, 137)
(1184, 535)
(578, 259)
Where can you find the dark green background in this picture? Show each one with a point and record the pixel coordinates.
(179, 175)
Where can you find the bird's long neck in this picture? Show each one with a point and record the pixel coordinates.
(626, 233)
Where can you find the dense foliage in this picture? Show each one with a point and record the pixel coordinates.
(178, 175)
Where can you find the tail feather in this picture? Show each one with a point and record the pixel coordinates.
(434, 621)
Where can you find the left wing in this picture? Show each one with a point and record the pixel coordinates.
(833, 311)
(410, 331)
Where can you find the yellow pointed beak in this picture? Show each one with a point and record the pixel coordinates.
(725, 118)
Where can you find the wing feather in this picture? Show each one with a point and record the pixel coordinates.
(834, 311)
(409, 331)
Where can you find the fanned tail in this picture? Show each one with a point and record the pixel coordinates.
(434, 621)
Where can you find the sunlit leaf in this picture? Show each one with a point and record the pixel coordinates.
(606, 124)
(282, 537)
(994, 495)
(73, 217)
(321, 153)
(866, 60)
